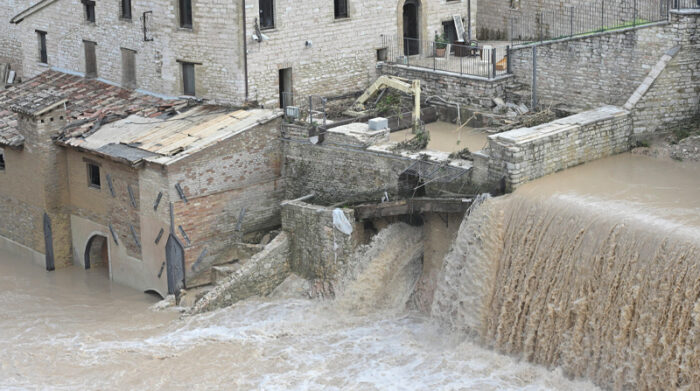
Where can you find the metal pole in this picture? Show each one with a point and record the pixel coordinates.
(469, 21)
(508, 60)
(493, 61)
(602, 16)
(634, 17)
(311, 110)
(571, 22)
(534, 78)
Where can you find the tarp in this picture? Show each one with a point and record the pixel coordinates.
(341, 222)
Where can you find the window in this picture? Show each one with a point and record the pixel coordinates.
(93, 172)
(2, 160)
(90, 59)
(267, 14)
(128, 68)
(188, 85)
(185, 13)
(126, 9)
(89, 6)
(381, 54)
(43, 56)
(341, 8)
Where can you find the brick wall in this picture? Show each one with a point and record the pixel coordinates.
(524, 154)
(238, 177)
(587, 72)
(467, 90)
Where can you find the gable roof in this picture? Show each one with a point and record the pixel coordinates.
(31, 10)
(89, 104)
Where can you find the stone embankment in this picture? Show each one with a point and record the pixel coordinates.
(258, 277)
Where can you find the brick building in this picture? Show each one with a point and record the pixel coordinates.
(154, 191)
(227, 52)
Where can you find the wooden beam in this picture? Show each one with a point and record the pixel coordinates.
(411, 206)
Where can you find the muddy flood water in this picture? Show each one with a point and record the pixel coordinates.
(448, 137)
(72, 330)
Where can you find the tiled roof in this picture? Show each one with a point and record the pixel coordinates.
(88, 101)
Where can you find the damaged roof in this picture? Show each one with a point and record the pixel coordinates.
(166, 140)
(89, 104)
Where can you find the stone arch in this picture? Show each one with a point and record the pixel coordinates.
(97, 252)
(417, 27)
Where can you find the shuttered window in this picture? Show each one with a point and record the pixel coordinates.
(43, 55)
(188, 78)
(90, 59)
(341, 8)
(126, 9)
(185, 13)
(267, 14)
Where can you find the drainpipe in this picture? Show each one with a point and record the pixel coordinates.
(245, 51)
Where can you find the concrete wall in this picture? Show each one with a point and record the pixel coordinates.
(587, 72)
(466, 90)
(215, 41)
(524, 154)
(238, 177)
(343, 54)
(670, 96)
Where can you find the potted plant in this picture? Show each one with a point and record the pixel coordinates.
(440, 44)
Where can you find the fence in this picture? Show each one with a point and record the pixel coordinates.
(311, 109)
(597, 16)
(475, 60)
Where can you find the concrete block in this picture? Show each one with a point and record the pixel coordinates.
(378, 123)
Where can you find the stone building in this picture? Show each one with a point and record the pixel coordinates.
(153, 191)
(230, 52)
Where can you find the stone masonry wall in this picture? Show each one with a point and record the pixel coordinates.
(343, 52)
(587, 72)
(259, 276)
(233, 188)
(214, 42)
(673, 98)
(340, 172)
(524, 154)
(472, 91)
(10, 45)
(494, 16)
(318, 250)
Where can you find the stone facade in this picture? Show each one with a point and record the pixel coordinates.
(233, 188)
(10, 44)
(343, 52)
(586, 72)
(214, 43)
(220, 42)
(466, 90)
(670, 96)
(524, 154)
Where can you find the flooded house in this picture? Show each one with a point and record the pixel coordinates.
(153, 192)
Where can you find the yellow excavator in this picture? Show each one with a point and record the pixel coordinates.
(397, 83)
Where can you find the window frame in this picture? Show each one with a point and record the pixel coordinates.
(43, 51)
(182, 5)
(126, 10)
(131, 84)
(87, 44)
(89, 10)
(339, 12)
(183, 66)
(91, 166)
(272, 16)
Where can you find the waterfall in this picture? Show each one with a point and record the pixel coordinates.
(602, 291)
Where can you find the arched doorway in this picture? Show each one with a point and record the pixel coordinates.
(411, 27)
(97, 253)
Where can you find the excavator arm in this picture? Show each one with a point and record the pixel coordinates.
(404, 85)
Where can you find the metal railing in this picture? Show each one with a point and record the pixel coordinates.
(596, 16)
(475, 60)
(311, 109)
